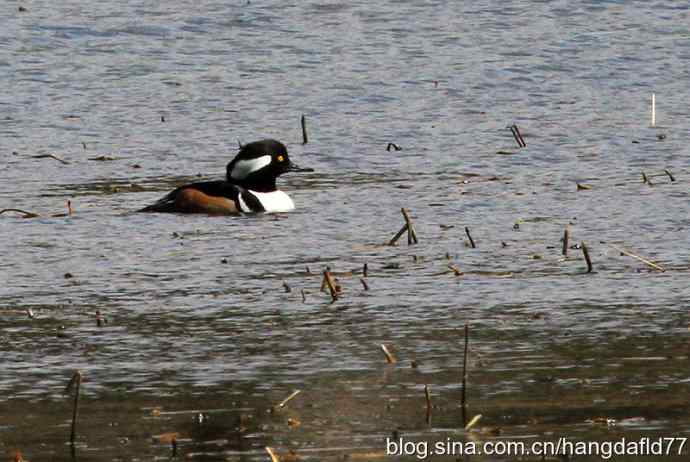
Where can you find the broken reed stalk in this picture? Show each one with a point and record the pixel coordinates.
(365, 270)
(303, 121)
(518, 137)
(390, 359)
(288, 399)
(272, 455)
(473, 422)
(637, 257)
(427, 395)
(669, 175)
(411, 233)
(328, 279)
(585, 252)
(566, 235)
(364, 283)
(469, 236)
(76, 382)
(463, 399)
(398, 235)
(304, 296)
(455, 269)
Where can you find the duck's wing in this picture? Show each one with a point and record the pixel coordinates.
(166, 204)
(243, 200)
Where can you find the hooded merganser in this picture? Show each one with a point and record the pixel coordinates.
(249, 186)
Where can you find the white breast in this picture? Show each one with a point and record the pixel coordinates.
(276, 201)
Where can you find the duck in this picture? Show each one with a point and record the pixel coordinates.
(248, 188)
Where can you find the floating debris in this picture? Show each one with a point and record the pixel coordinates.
(293, 423)
(455, 270)
(51, 156)
(102, 158)
(23, 212)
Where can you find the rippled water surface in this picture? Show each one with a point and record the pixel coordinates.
(212, 321)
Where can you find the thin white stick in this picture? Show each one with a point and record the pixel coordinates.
(653, 110)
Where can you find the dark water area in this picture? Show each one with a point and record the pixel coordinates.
(203, 339)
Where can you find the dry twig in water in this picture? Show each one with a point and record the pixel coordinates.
(390, 359)
(274, 457)
(637, 257)
(288, 399)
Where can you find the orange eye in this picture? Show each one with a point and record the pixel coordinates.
(280, 158)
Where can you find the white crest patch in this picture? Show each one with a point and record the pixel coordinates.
(245, 167)
(275, 201)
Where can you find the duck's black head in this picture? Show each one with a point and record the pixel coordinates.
(259, 163)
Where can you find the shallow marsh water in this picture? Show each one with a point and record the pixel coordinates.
(554, 351)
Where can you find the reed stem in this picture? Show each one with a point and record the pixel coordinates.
(566, 235)
(469, 236)
(585, 252)
(303, 121)
(463, 400)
